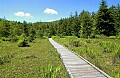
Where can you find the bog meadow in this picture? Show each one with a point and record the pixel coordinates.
(25, 51)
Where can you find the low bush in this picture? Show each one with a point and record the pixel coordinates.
(22, 42)
(118, 75)
(49, 35)
(101, 36)
(31, 38)
(88, 40)
(14, 38)
(6, 39)
(74, 41)
(108, 46)
(112, 37)
(0, 40)
(90, 53)
(61, 36)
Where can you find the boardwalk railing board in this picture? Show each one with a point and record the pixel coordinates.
(77, 66)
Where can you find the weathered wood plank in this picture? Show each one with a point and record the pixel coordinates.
(76, 65)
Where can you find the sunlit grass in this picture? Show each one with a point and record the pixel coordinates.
(29, 62)
(104, 53)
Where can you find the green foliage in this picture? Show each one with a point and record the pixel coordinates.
(31, 38)
(117, 52)
(61, 36)
(86, 24)
(29, 62)
(22, 42)
(13, 38)
(117, 76)
(101, 36)
(49, 35)
(6, 58)
(106, 20)
(89, 41)
(108, 46)
(102, 52)
(73, 41)
(90, 53)
(112, 37)
(51, 72)
(0, 40)
(6, 39)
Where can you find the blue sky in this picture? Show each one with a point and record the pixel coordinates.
(46, 10)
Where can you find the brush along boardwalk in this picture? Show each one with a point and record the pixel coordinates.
(76, 65)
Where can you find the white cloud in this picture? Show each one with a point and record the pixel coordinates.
(23, 14)
(50, 11)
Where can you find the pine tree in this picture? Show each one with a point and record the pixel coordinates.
(105, 20)
(86, 24)
(118, 20)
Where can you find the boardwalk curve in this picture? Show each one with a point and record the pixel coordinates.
(76, 65)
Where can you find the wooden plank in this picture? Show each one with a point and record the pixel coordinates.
(78, 67)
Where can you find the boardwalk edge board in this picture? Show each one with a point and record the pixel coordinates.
(105, 74)
(99, 70)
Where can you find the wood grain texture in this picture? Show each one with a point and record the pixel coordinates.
(77, 66)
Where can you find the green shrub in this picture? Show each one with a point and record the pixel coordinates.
(49, 35)
(118, 75)
(61, 36)
(88, 40)
(117, 53)
(55, 37)
(118, 37)
(22, 42)
(31, 38)
(92, 35)
(13, 38)
(0, 40)
(40, 35)
(73, 41)
(90, 53)
(51, 72)
(108, 46)
(6, 39)
(112, 37)
(101, 36)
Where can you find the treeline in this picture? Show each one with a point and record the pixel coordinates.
(106, 21)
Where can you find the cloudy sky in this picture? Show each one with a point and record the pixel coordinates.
(46, 10)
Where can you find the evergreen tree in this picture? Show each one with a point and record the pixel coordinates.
(118, 20)
(105, 20)
(86, 24)
(25, 28)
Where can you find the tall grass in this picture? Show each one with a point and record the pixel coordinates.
(29, 62)
(51, 72)
(103, 52)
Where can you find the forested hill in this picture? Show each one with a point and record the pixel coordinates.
(106, 21)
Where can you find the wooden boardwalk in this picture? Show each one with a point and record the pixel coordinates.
(77, 66)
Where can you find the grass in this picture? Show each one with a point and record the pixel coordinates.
(40, 60)
(104, 53)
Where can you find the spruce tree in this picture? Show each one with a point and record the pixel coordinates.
(105, 20)
(86, 24)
